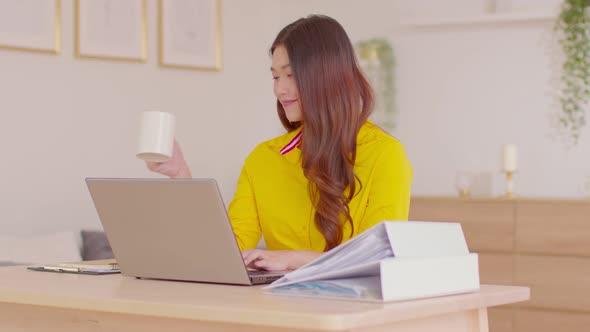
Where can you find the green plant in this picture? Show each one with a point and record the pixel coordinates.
(378, 61)
(574, 23)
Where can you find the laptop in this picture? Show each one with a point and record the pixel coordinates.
(173, 229)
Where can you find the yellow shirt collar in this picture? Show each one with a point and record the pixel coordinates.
(292, 140)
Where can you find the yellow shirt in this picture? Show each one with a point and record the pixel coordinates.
(272, 199)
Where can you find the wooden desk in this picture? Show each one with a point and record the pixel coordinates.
(45, 301)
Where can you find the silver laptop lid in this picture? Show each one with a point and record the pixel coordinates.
(174, 229)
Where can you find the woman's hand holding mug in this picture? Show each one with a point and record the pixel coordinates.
(175, 167)
(158, 147)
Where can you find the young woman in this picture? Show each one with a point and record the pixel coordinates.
(333, 174)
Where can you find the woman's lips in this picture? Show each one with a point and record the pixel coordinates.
(287, 103)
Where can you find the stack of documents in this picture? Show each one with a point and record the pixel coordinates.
(392, 261)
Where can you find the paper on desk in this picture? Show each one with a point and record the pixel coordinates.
(104, 264)
(391, 261)
(354, 258)
(354, 288)
(357, 271)
(107, 266)
(386, 239)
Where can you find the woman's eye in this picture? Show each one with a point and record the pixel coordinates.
(275, 78)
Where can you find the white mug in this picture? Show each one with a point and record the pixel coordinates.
(156, 136)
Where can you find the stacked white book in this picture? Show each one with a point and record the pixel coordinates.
(391, 261)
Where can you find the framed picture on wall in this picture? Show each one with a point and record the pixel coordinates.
(189, 34)
(30, 25)
(111, 29)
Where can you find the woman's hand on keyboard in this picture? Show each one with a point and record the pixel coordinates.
(278, 260)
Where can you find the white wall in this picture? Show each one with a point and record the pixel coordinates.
(65, 119)
(468, 90)
(463, 91)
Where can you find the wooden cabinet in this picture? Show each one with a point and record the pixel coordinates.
(555, 228)
(487, 225)
(549, 321)
(540, 243)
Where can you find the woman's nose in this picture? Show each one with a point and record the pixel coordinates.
(281, 87)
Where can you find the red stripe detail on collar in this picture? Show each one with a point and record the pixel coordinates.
(292, 144)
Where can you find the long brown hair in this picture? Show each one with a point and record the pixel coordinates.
(335, 99)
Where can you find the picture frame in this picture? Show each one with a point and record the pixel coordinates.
(31, 25)
(189, 34)
(111, 30)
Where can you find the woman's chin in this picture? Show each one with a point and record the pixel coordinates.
(293, 117)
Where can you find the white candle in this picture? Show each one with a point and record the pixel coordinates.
(510, 160)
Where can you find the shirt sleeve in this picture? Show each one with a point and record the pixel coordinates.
(243, 213)
(389, 195)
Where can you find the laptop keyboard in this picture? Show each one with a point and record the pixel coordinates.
(265, 272)
(265, 277)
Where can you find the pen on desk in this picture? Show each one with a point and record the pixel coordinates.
(62, 269)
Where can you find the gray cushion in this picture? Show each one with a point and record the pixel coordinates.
(95, 245)
(5, 263)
